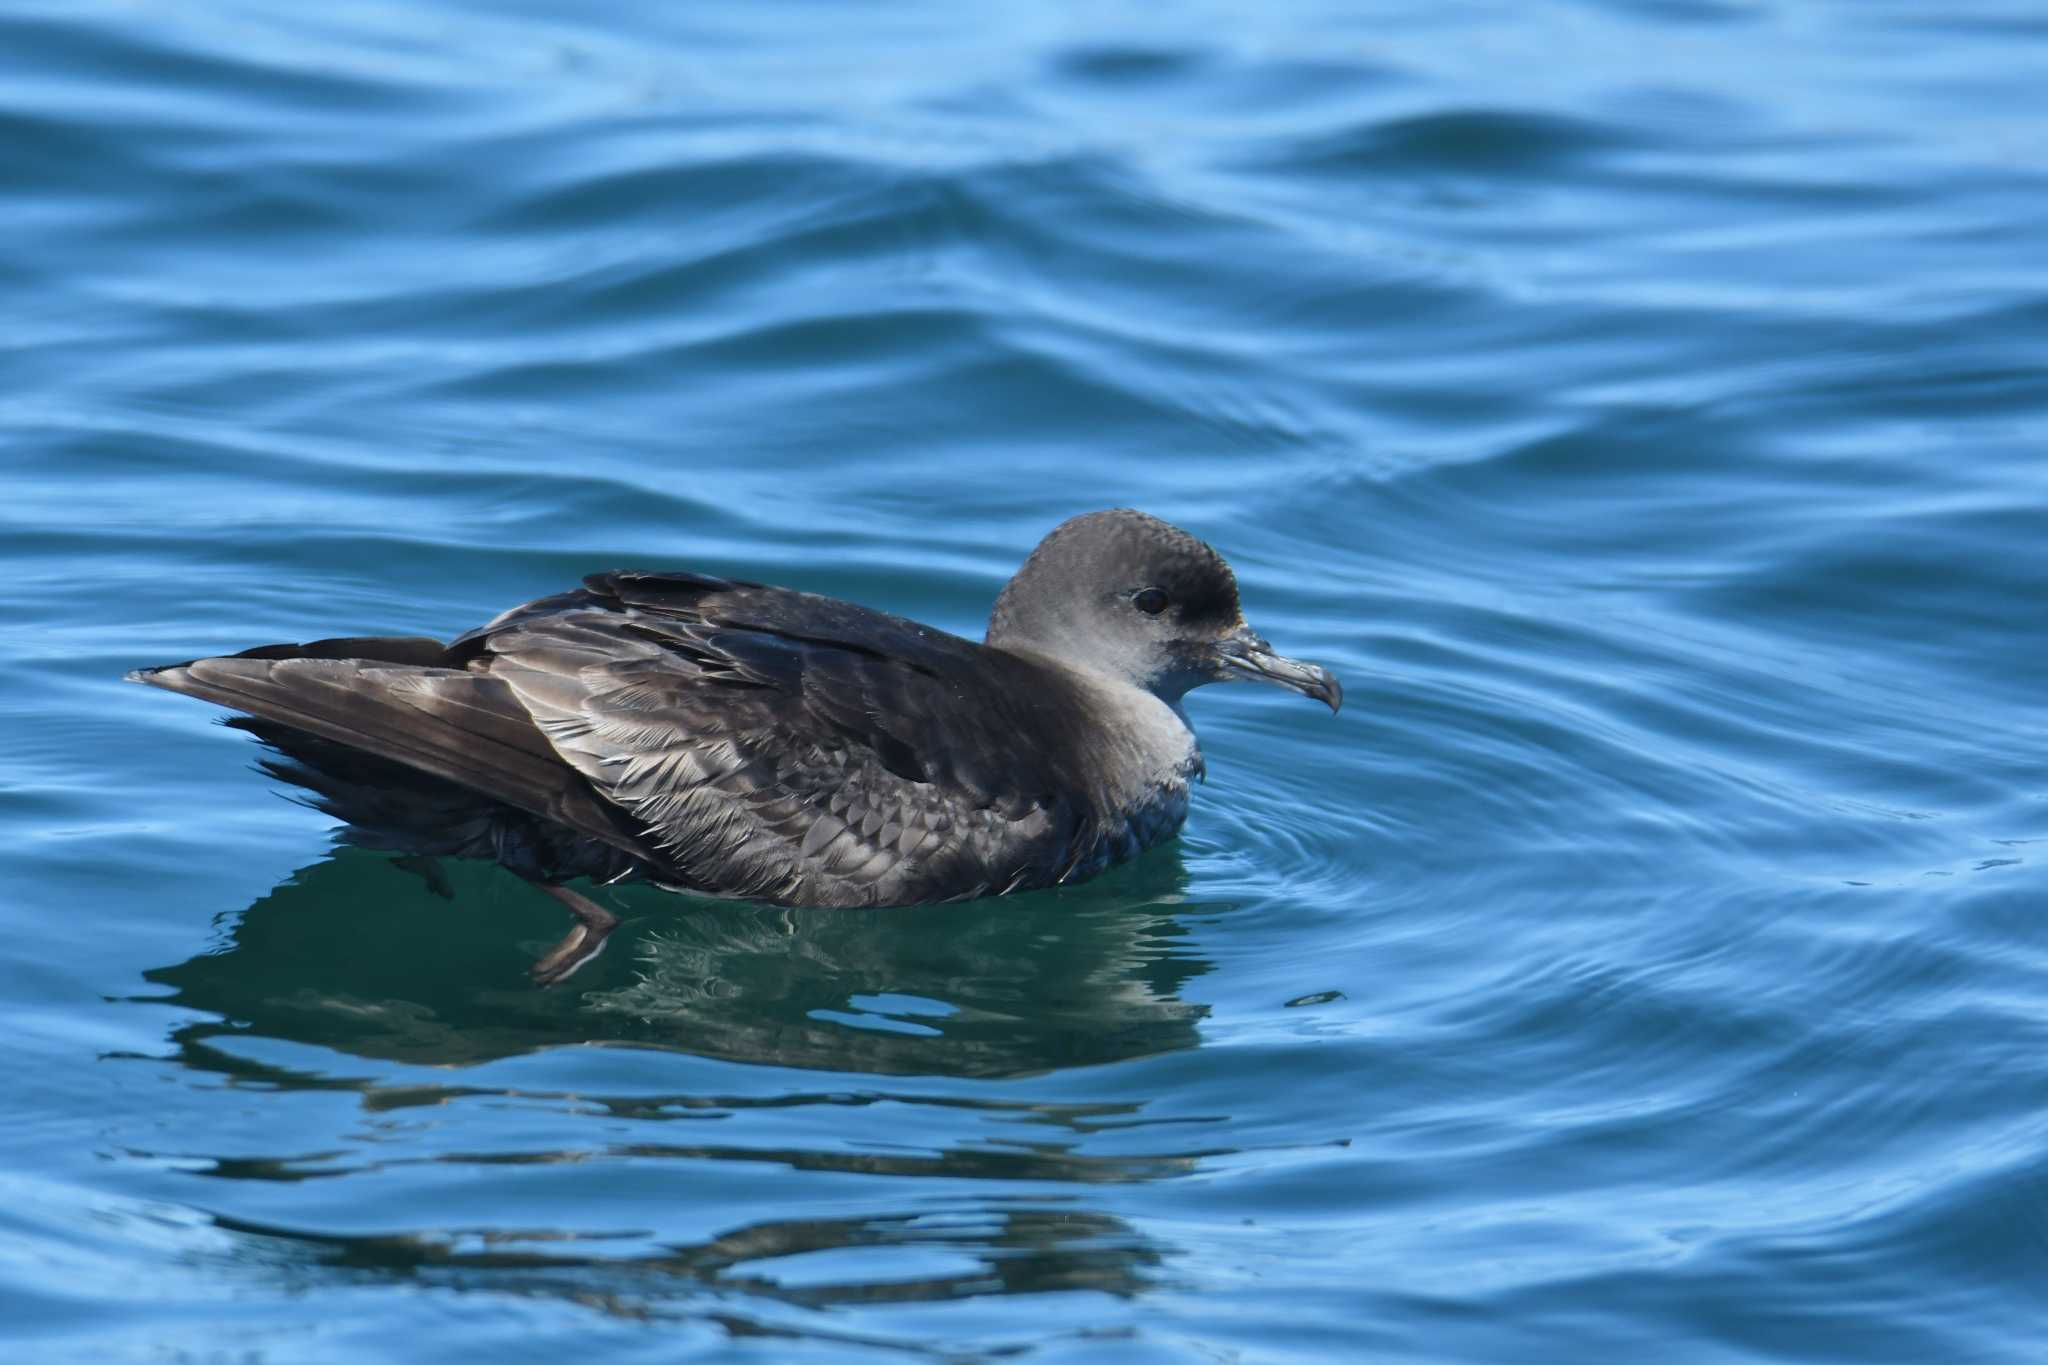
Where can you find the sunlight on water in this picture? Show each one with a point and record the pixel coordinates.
(1639, 406)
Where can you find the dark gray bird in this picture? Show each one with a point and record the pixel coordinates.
(725, 738)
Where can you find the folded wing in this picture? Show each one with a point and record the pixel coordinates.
(791, 748)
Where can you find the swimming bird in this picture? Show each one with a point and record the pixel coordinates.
(727, 738)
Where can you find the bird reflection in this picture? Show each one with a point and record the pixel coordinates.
(354, 954)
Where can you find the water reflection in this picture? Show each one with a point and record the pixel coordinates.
(354, 954)
(980, 1250)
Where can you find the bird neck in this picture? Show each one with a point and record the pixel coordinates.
(1141, 743)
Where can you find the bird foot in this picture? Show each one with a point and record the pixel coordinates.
(584, 941)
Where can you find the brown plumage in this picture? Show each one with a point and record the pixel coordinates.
(732, 739)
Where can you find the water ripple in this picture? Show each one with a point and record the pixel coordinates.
(1646, 960)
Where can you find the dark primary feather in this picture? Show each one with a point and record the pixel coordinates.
(380, 697)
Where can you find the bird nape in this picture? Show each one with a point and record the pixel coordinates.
(727, 738)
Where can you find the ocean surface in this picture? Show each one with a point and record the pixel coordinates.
(1642, 405)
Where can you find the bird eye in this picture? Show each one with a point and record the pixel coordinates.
(1151, 601)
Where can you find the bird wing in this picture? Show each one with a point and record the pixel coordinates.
(399, 699)
(782, 746)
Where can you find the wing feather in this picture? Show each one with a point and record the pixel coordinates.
(740, 740)
(786, 746)
(453, 724)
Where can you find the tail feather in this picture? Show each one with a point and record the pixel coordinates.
(386, 697)
(416, 650)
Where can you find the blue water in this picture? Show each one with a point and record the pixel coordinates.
(1641, 405)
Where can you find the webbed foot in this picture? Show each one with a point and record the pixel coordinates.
(584, 941)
